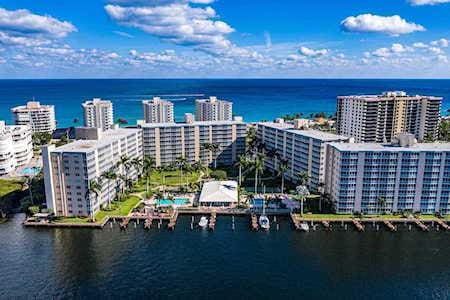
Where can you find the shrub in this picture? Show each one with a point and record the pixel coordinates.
(219, 174)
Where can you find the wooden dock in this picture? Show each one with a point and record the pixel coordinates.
(148, 223)
(173, 221)
(295, 221)
(254, 223)
(358, 225)
(390, 226)
(420, 225)
(212, 221)
(443, 224)
(124, 224)
(326, 224)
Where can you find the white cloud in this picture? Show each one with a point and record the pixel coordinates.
(444, 43)
(21, 27)
(392, 25)
(268, 39)
(123, 34)
(435, 50)
(382, 52)
(311, 52)
(420, 45)
(427, 2)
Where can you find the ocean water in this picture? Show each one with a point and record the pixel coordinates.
(224, 264)
(254, 99)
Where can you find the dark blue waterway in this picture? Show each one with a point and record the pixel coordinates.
(225, 264)
(254, 99)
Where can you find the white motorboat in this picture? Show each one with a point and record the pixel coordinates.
(264, 222)
(304, 226)
(203, 222)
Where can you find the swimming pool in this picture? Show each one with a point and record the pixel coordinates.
(175, 201)
(31, 170)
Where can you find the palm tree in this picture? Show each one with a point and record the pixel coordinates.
(258, 165)
(302, 192)
(138, 165)
(381, 201)
(94, 187)
(251, 141)
(109, 175)
(212, 148)
(125, 163)
(303, 177)
(242, 163)
(148, 165)
(181, 164)
(282, 168)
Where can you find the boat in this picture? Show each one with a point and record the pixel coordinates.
(264, 221)
(203, 222)
(304, 226)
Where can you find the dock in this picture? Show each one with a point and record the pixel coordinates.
(295, 221)
(442, 224)
(173, 221)
(212, 221)
(390, 226)
(148, 223)
(254, 223)
(358, 225)
(124, 224)
(420, 225)
(326, 225)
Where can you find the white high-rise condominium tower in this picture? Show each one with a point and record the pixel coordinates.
(98, 113)
(70, 169)
(41, 118)
(16, 148)
(158, 110)
(381, 118)
(213, 109)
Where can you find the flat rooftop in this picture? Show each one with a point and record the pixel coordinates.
(195, 123)
(108, 137)
(420, 147)
(388, 97)
(311, 133)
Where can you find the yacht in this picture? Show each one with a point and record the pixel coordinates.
(203, 222)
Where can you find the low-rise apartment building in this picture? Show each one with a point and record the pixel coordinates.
(303, 150)
(16, 148)
(69, 169)
(405, 175)
(168, 141)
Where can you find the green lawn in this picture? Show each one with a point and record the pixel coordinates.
(172, 178)
(123, 208)
(325, 216)
(9, 186)
(71, 220)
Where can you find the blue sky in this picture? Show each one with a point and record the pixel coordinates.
(224, 38)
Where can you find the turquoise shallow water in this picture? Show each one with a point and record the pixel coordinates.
(224, 264)
(253, 98)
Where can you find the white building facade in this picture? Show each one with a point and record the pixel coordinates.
(69, 169)
(98, 113)
(303, 150)
(371, 178)
(16, 147)
(381, 118)
(168, 141)
(158, 110)
(41, 118)
(213, 109)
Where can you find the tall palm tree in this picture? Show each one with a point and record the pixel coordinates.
(212, 148)
(138, 165)
(181, 164)
(303, 177)
(381, 202)
(258, 165)
(242, 163)
(125, 164)
(148, 165)
(282, 168)
(109, 176)
(94, 187)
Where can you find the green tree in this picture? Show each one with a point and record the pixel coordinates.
(213, 148)
(109, 175)
(258, 165)
(303, 177)
(282, 168)
(95, 187)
